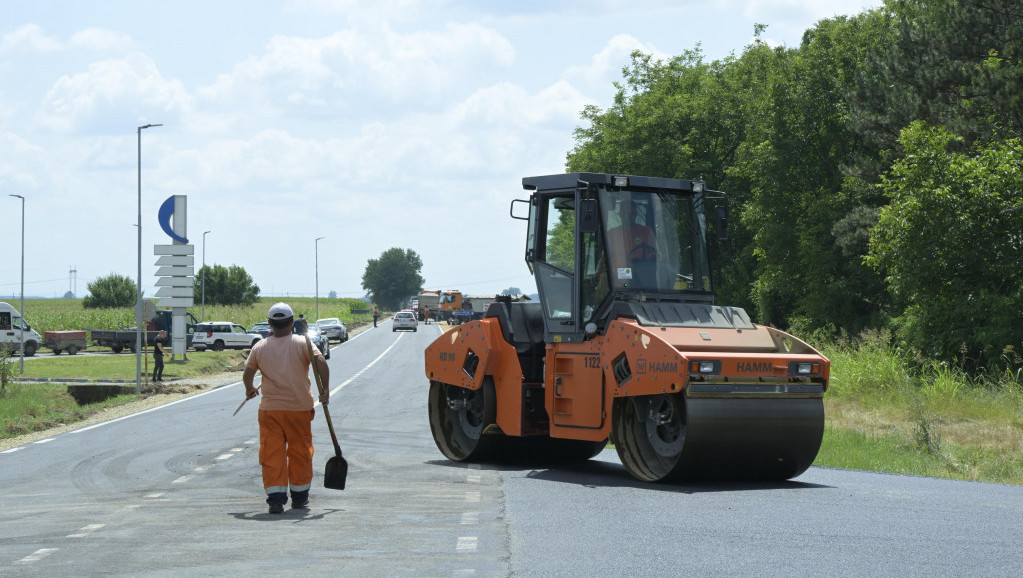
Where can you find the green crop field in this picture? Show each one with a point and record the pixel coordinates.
(68, 314)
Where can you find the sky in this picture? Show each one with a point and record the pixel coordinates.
(370, 123)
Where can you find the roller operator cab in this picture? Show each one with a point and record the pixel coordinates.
(627, 345)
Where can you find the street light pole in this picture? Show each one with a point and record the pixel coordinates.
(138, 288)
(317, 244)
(204, 274)
(22, 282)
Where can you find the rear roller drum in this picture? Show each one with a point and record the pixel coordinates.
(458, 418)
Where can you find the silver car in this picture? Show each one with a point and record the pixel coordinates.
(333, 328)
(404, 320)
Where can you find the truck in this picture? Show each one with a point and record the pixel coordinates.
(626, 344)
(14, 330)
(451, 306)
(431, 300)
(119, 340)
(471, 307)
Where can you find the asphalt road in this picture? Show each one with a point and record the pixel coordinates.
(176, 491)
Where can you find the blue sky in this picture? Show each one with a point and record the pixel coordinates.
(373, 124)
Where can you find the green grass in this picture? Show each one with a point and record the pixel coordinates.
(888, 414)
(30, 407)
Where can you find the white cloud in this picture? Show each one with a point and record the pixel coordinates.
(110, 94)
(310, 75)
(100, 40)
(27, 39)
(606, 65)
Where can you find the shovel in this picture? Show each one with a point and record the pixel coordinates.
(337, 467)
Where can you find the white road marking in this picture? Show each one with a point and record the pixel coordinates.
(44, 441)
(12, 450)
(473, 497)
(361, 371)
(201, 469)
(224, 456)
(86, 531)
(250, 442)
(473, 478)
(156, 495)
(466, 544)
(37, 555)
(237, 449)
(182, 479)
(470, 518)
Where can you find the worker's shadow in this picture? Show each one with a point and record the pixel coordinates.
(293, 515)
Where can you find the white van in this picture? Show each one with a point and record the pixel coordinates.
(12, 327)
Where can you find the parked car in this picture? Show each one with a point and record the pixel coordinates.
(316, 336)
(404, 320)
(220, 335)
(333, 328)
(261, 329)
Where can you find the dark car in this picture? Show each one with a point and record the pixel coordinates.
(316, 336)
(262, 329)
(333, 328)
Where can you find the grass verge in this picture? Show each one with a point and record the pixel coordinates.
(885, 415)
(27, 407)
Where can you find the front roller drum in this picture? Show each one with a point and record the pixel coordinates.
(670, 437)
(458, 418)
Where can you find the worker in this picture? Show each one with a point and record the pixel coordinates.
(376, 315)
(286, 409)
(426, 315)
(631, 244)
(301, 324)
(158, 352)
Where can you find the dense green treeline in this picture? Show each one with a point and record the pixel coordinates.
(873, 172)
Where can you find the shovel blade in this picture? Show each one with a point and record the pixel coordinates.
(336, 473)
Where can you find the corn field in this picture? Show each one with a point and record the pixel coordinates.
(68, 314)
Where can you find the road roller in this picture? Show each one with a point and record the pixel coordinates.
(625, 344)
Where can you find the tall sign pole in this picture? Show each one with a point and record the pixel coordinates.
(138, 288)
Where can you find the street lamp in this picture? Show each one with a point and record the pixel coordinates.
(22, 282)
(317, 245)
(138, 289)
(204, 274)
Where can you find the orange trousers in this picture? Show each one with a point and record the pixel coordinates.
(286, 449)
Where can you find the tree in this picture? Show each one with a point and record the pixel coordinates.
(512, 291)
(949, 244)
(392, 277)
(332, 295)
(111, 291)
(225, 286)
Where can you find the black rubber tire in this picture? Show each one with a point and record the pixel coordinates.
(116, 348)
(649, 452)
(218, 345)
(459, 433)
(56, 351)
(72, 349)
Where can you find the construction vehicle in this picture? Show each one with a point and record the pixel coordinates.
(626, 344)
(428, 300)
(450, 306)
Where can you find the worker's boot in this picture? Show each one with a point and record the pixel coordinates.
(276, 500)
